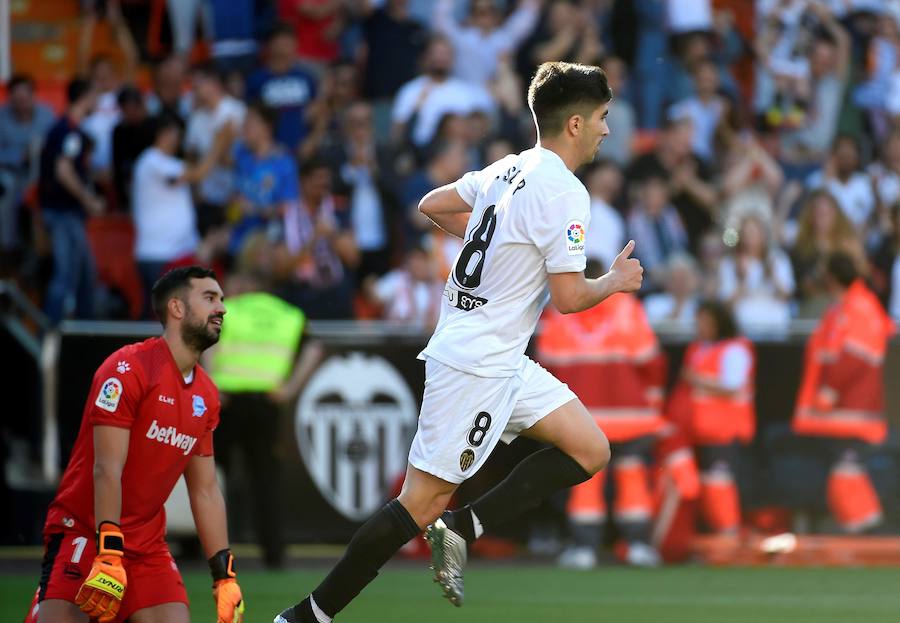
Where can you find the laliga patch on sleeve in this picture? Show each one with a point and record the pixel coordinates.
(110, 393)
(575, 237)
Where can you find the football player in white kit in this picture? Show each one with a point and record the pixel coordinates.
(524, 220)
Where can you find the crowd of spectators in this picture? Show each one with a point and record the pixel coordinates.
(748, 140)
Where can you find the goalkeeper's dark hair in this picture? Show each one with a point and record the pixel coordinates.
(560, 90)
(174, 284)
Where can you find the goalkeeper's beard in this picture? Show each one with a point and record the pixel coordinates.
(198, 335)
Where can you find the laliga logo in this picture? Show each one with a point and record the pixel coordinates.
(354, 423)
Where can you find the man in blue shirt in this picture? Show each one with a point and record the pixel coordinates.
(23, 124)
(66, 198)
(266, 177)
(284, 85)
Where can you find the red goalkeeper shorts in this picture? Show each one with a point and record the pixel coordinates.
(153, 578)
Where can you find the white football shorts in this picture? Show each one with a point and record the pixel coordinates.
(463, 416)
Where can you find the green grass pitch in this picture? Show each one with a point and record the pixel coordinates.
(530, 594)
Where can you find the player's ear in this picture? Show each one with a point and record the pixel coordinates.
(176, 308)
(574, 124)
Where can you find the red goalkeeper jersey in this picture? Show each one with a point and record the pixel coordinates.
(171, 419)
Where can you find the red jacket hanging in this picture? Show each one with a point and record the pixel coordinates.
(842, 393)
(611, 358)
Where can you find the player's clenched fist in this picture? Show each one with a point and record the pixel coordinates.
(226, 592)
(101, 594)
(627, 270)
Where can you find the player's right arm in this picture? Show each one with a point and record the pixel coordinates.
(111, 415)
(447, 209)
(571, 292)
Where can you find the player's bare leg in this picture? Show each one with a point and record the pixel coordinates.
(60, 611)
(423, 499)
(581, 450)
(174, 612)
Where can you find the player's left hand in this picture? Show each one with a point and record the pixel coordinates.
(226, 592)
(229, 601)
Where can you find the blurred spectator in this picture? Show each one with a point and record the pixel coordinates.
(23, 124)
(446, 164)
(822, 76)
(411, 294)
(339, 89)
(885, 263)
(283, 85)
(655, 225)
(486, 37)
(651, 63)
(168, 95)
(184, 16)
(742, 159)
(689, 179)
(214, 109)
(234, 26)
(566, 32)
(885, 174)
(717, 391)
(852, 188)
(393, 44)
(163, 209)
(318, 25)
(422, 103)
(621, 118)
(677, 304)
(265, 177)
(320, 246)
(66, 196)
(704, 109)
(878, 93)
(132, 135)
(709, 257)
(103, 118)
(842, 397)
(603, 181)
(822, 229)
(756, 280)
(364, 170)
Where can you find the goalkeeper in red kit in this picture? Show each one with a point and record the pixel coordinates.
(149, 418)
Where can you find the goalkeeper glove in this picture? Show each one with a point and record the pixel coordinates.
(101, 594)
(226, 592)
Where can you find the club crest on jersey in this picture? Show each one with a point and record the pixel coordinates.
(575, 237)
(199, 405)
(110, 394)
(466, 459)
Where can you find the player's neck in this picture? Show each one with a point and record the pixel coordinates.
(568, 154)
(185, 357)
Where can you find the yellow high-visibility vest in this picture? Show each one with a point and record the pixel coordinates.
(258, 344)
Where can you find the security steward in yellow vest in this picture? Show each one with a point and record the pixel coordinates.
(257, 370)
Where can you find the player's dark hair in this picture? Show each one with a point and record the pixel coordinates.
(268, 114)
(76, 89)
(560, 90)
(726, 327)
(841, 268)
(172, 284)
(18, 80)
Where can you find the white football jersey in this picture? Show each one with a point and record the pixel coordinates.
(530, 217)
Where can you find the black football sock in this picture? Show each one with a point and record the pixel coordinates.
(528, 484)
(370, 548)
